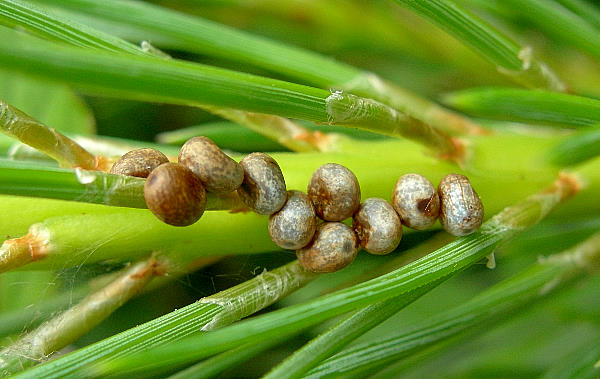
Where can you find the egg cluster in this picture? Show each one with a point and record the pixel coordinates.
(309, 223)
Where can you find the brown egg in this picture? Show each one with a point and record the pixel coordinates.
(218, 172)
(139, 162)
(333, 247)
(416, 201)
(334, 191)
(263, 189)
(377, 226)
(294, 225)
(175, 195)
(461, 210)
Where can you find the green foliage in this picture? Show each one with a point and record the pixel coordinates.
(577, 148)
(537, 107)
(47, 102)
(428, 309)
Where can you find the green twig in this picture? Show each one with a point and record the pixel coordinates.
(129, 233)
(125, 233)
(32, 212)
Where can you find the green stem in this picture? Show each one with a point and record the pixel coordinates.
(126, 233)
(129, 233)
(533, 283)
(210, 312)
(31, 212)
(442, 263)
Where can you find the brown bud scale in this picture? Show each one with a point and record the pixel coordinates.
(333, 247)
(377, 226)
(218, 172)
(139, 162)
(334, 191)
(461, 209)
(175, 195)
